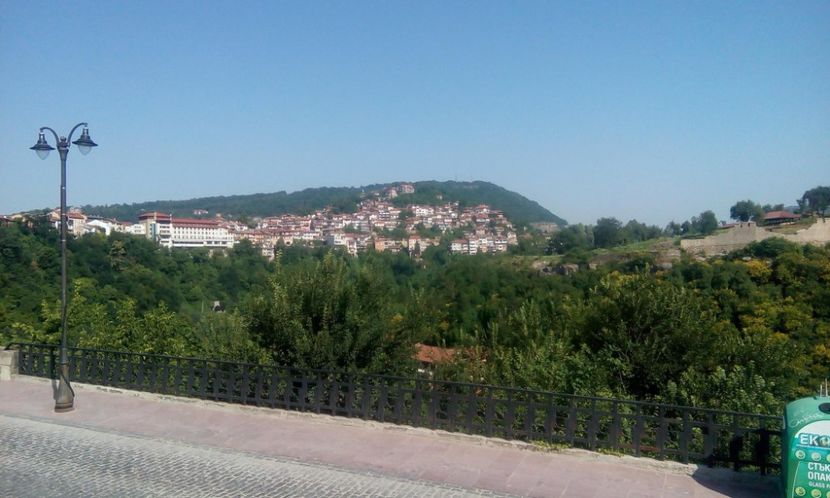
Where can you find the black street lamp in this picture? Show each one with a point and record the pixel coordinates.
(65, 399)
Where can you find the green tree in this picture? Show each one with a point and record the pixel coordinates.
(329, 314)
(746, 211)
(607, 232)
(706, 223)
(646, 330)
(634, 231)
(816, 200)
(567, 239)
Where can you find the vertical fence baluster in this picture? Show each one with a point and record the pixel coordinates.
(570, 426)
(258, 389)
(509, 415)
(139, 381)
(334, 396)
(637, 433)
(472, 410)
(402, 408)
(550, 418)
(417, 399)
(106, 376)
(710, 442)
(272, 391)
(177, 377)
(685, 436)
(615, 430)
(490, 413)
(762, 448)
(366, 399)
(593, 425)
(432, 405)
(130, 373)
(452, 409)
(736, 444)
(350, 388)
(382, 401)
(662, 433)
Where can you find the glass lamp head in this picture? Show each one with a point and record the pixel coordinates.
(85, 143)
(42, 147)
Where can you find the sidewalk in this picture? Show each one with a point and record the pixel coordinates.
(400, 452)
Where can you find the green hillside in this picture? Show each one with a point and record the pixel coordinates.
(517, 207)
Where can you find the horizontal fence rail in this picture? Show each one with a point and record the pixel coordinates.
(682, 433)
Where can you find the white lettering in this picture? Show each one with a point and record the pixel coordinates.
(818, 476)
(814, 440)
(804, 420)
(807, 439)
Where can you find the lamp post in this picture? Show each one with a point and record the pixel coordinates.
(65, 399)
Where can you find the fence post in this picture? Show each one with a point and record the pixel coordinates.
(9, 364)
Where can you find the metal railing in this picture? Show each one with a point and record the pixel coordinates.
(682, 433)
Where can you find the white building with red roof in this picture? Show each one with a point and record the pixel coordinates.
(185, 232)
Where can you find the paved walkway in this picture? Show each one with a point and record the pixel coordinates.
(131, 444)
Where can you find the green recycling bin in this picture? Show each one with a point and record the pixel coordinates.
(805, 470)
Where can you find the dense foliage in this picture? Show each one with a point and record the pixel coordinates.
(816, 200)
(747, 211)
(747, 332)
(515, 206)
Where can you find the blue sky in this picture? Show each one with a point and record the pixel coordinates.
(646, 110)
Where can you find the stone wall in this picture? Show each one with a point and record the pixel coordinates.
(743, 234)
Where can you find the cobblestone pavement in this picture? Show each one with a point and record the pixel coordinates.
(40, 459)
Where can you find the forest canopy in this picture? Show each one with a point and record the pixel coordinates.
(745, 332)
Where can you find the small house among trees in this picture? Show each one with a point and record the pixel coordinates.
(430, 356)
(779, 217)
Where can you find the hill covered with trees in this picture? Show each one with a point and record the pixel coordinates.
(516, 207)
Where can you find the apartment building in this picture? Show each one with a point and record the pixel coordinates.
(185, 232)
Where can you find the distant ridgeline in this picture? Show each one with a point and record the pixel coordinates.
(518, 208)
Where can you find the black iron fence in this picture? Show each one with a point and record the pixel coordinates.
(682, 433)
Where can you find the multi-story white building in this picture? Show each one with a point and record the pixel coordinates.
(99, 225)
(135, 229)
(157, 227)
(185, 232)
(192, 232)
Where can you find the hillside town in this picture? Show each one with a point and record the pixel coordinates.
(377, 224)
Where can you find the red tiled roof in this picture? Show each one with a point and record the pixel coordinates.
(195, 222)
(155, 215)
(777, 215)
(434, 354)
